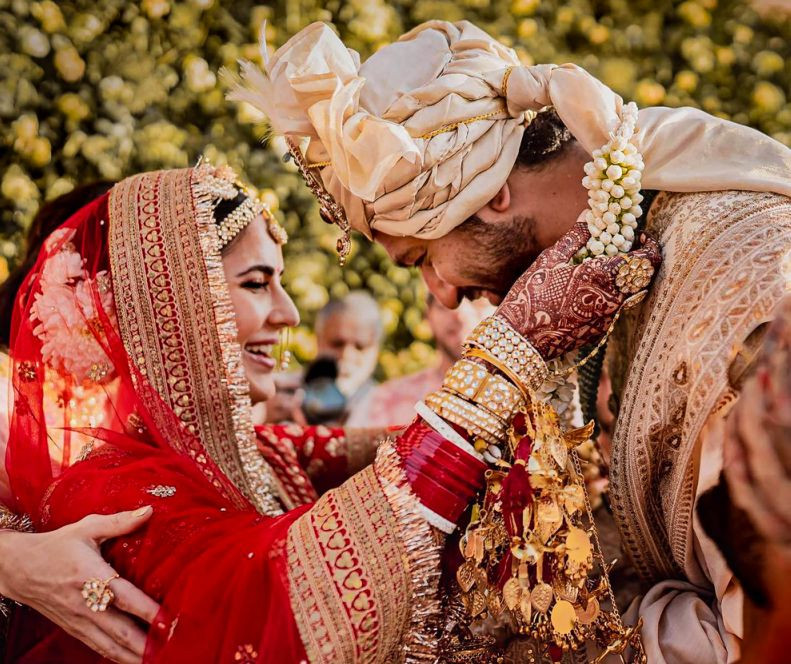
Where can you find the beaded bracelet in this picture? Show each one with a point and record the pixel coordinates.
(498, 339)
(479, 422)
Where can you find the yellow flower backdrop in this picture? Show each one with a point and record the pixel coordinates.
(104, 89)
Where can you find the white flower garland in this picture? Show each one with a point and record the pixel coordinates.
(612, 179)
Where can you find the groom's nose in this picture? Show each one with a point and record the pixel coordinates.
(446, 293)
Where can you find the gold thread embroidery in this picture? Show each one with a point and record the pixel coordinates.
(363, 571)
(504, 84)
(246, 654)
(694, 315)
(166, 328)
(162, 491)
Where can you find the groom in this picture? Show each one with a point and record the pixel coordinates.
(440, 147)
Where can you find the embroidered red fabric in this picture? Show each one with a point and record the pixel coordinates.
(215, 564)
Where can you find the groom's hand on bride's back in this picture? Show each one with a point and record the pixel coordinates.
(560, 306)
(46, 571)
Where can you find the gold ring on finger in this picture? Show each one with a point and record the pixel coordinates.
(97, 593)
(634, 275)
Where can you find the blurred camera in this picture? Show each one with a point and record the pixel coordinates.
(323, 401)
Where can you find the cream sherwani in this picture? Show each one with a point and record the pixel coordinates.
(724, 271)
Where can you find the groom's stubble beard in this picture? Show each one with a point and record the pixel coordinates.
(496, 254)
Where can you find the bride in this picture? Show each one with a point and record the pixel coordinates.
(164, 297)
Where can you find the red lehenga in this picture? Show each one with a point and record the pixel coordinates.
(249, 564)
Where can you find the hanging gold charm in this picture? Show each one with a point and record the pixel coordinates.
(550, 538)
(465, 576)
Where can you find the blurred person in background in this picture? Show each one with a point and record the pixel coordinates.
(393, 403)
(340, 381)
(349, 331)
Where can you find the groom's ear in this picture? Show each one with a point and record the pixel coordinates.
(502, 199)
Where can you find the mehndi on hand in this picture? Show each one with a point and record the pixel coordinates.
(559, 306)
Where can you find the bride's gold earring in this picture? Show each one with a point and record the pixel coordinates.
(285, 354)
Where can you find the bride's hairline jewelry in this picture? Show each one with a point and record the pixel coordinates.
(223, 183)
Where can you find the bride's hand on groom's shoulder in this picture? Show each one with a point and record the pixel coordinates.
(46, 571)
(560, 306)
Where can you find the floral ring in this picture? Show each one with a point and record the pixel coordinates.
(97, 594)
(634, 275)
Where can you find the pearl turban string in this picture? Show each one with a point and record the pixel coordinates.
(426, 131)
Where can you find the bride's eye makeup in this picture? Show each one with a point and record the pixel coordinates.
(257, 278)
(255, 285)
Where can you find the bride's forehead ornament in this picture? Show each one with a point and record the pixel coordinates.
(221, 184)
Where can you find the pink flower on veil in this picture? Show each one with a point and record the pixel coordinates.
(67, 317)
(61, 268)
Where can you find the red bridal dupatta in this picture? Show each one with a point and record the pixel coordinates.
(128, 301)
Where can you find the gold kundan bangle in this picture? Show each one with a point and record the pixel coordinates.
(498, 339)
(487, 357)
(479, 423)
(474, 383)
(11, 521)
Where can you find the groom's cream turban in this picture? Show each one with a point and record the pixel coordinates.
(426, 131)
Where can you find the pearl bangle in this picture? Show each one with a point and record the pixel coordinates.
(498, 339)
(473, 419)
(473, 382)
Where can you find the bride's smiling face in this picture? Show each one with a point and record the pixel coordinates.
(253, 265)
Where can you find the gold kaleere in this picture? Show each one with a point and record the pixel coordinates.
(558, 576)
(578, 546)
(494, 603)
(512, 593)
(526, 608)
(465, 576)
(563, 617)
(477, 603)
(588, 612)
(541, 597)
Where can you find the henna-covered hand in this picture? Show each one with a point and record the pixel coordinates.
(559, 306)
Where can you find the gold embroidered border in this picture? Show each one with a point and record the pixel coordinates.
(363, 568)
(179, 329)
(242, 461)
(719, 280)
